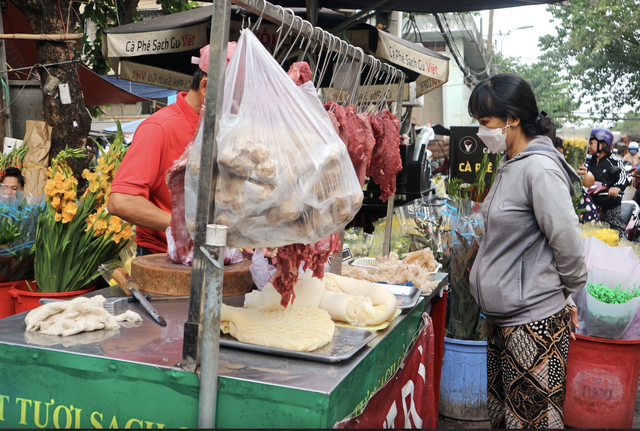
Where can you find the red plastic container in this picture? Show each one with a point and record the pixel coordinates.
(25, 300)
(602, 382)
(6, 300)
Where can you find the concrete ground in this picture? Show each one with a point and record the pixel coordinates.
(444, 423)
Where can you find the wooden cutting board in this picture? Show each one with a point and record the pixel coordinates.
(156, 274)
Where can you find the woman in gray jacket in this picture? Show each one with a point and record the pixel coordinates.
(530, 260)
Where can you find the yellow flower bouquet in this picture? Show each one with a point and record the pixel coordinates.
(75, 236)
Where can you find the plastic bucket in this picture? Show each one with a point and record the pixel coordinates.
(602, 382)
(6, 300)
(26, 300)
(463, 383)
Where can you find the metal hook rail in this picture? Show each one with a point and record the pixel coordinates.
(278, 16)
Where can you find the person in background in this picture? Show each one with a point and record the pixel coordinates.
(139, 193)
(620, 149)
(557, 142)
(607, 169)
(633, 156)
(530, 260)
(11, 182)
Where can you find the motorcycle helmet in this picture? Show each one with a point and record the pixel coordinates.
(602, 134)
(633, 147)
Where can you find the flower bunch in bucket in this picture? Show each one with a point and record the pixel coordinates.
(464, 318)
(75, 236)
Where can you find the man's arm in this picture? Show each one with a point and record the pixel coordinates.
(138, 211)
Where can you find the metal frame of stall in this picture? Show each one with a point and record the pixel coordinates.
(201, 346)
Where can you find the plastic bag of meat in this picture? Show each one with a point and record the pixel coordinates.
(285, 176)
(191, 177)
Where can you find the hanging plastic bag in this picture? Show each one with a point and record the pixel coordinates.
(232, 256)
(285, 176)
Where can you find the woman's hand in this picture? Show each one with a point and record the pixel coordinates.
(587, 177)
(614, 191)
(574, 321)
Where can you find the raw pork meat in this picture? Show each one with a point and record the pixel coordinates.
(369, 141)
(386, 162)
(179, 243)
(341, 117)
(300, 72)
(355, 145)
(289, 259)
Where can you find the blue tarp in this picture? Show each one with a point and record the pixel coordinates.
(142, 90)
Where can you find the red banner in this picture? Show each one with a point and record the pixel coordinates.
(407, 400)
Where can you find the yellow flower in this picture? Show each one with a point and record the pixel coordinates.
(124, 234)
(58, 217)
(100, 226)
(55, 202)
(115, 224)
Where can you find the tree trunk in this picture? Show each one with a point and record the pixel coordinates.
(71, 123)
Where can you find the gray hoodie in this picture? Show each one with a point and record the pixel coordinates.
(532, 255)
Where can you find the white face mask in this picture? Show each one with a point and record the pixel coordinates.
(494, 139)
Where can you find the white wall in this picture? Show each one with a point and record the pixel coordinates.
(455, 94)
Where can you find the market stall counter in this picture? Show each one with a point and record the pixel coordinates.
(131, 377)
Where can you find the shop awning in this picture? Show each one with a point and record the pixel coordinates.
(159, 51)
(142, 90)
(417, 6)
(99, 91)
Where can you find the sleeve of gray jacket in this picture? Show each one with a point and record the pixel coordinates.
(554, 212)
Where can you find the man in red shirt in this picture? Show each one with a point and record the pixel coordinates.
(139, 193)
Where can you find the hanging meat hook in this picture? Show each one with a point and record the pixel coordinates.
(295, 41)
(335, 69)
(332, 41)
(259, 21)
(282, 39)
(346, 99)
(324, 33)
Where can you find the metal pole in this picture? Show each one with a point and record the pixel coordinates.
(207, 271)
(214, 270)
(490, 36)
(386, 245)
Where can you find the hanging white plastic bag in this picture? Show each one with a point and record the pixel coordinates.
(285, 175)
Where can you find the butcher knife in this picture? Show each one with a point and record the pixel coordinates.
(124, 280)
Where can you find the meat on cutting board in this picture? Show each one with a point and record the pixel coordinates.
(300, 72)
(386, 162)
(179, 242)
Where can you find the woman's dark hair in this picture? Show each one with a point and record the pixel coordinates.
(197, 78)
(558, 142)
(509, 94)
(15, 173)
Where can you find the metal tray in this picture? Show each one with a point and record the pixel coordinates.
(408, 296)
(346, 342)
(443, 279)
